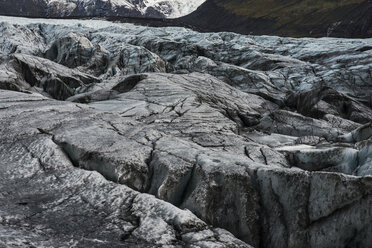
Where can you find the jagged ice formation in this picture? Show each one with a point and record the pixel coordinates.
(121, 135)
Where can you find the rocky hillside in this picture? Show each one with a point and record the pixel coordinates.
(116, 135)
(320, 18)
(98, 8)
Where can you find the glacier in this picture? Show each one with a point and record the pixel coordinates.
(120, 135)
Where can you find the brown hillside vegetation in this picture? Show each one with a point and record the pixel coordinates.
(339, 18)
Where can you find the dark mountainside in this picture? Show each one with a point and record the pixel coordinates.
(22, 8)
(351, 19)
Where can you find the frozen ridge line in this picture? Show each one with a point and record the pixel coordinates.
(125, 8)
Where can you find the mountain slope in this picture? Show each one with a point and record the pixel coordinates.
(340, 18)
(76, 8)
